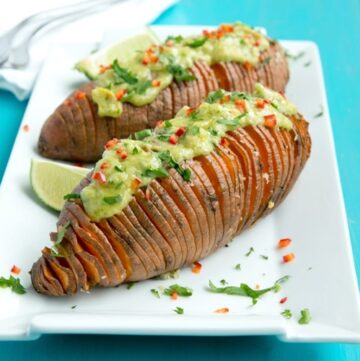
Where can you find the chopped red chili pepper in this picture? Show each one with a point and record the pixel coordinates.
(181, 131)
(111, 143)
(283, 300)
(224, 142)
(173, 139)
(135, 184)
(15, 269)
(189, 111)
(67, 102)
(288, 257)
(99, 177)
(270, 120)
(122, 154)
(154, 58)
(284, 242)
(248, 66)
(104, 68)
(174, 296)
(222, 310)
(104, 166)
(155, 83)
(197, 267)
(227, 28)
(26, 128)
(206, 32)
(257, 43)
(79, 95)
(225, 99)
(240, 104)
(146, 59)
(120, 94)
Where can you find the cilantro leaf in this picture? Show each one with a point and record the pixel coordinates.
(196, 43)
(247, 291)
(112, 200)
(155, 292)
(305, 317)
(176, 39)
(179, 310)
(154, 173)
(248, 253)
(214, 96)
(130, 285)
(286, 314)
(238, 267)
(179, 290)
(71, 196)
(140, 135)
(13, 283)
(59, 237)
(123, 74)
(179, 72)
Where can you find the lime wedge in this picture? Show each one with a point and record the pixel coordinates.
(121, 51)
(51, 181)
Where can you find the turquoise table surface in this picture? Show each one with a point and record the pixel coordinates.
(335, 27)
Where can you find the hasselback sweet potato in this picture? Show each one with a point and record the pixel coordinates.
(76, 132)
(174, 223)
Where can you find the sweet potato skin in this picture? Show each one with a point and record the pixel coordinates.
(76, 132)
(176, 223)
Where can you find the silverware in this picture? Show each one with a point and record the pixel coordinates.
(18, 56)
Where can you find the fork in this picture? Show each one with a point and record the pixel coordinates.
(19, 56)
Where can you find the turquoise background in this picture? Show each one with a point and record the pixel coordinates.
(335, 27)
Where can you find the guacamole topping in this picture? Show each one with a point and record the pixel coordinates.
(128, 164)
(139, 79)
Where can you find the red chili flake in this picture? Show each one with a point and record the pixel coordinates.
(146, 59)
(111, 143)
(189, 111)
(147, 194)
(270, 120)
(288, 257)
(26, 128)
(15, 269)
(104, 68)
(283, 300)
(154, 58)
(197, 267)
(173, 139)
(220, 33)
(99, 177)
(174, 296)
(206, 33)
(284, 242)
(225, 98)
(227, 28)
(104, 166)
(122, 154)
(181, 131)
(222, 310)
(135, 184)
(155, 83)
(120, 94)
(248, 66)
(67, 102)
(257, 43)
(224, 142)
(79, 95)
(240, 104)
(159, 124)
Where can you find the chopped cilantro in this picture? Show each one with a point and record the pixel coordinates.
(143, 134)
(12, 283)
(295, 56)
(170, 162)
(123, 74)
(130, 285)
(320, 114)
(179, 72)
(196, 43)
(215, 96)
(118, 168)
(305, 317)
(155, 173)
(179, 290)
(307, 64)
(194, 130)
(179, 310)
(112, 200)
(59, 237)
(71, 196)
(286, 313)
(73, 307)
(135, 150)
(155, 292)
(238, 267)
(167, 124)
(141, 86)
(176, 39)
(248, 253)
(264, 257)
(247, 291)
(224, 282)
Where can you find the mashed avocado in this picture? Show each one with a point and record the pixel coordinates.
(139, 79)
(129, 164)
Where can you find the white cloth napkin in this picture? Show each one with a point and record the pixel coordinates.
(127, 14)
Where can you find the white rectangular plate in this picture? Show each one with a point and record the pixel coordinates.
(323, 278)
